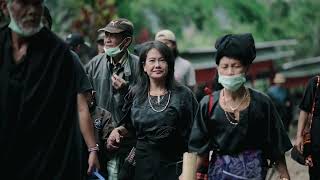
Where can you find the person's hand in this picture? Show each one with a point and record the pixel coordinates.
(299, 143)
(93, 162)
(113, 141)
(118, 82)
(180, 177)
(284, 176)
(309, 161)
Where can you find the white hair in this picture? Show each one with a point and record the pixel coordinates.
(18, 28)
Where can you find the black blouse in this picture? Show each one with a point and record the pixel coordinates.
(259, 127)
(162, 137)
(312, 93)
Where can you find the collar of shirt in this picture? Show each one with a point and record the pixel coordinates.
(124, 62)
(121, 62)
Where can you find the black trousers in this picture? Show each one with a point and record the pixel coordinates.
(314, 172)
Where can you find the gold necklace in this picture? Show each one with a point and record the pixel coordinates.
(233, 109)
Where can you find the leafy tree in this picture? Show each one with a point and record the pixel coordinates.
(198, 23)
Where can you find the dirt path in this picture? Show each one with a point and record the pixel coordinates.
(296, 171)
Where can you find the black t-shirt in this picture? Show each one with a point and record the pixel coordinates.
(17, 74)
(82, 80)
(312, 94)
(39, 129)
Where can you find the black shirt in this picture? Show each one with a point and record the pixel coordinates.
(259, 128)
(311, 94)
(82, 80)
(162, 137)
(39, 130)
(16, 83)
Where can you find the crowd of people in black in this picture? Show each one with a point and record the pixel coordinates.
(68, 114)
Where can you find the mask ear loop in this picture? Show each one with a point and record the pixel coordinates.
(124, 44)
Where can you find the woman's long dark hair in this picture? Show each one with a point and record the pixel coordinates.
(141, 89)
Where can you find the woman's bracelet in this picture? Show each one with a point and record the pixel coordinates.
(95, 148)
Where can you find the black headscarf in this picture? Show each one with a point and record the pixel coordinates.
(237, 46)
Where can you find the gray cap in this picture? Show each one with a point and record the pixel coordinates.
(118, 26)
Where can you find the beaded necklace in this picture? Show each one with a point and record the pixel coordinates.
(158, 102)
(231, 116)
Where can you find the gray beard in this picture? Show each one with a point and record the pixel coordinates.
(17, 27)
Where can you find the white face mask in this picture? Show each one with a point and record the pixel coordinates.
(16, 27)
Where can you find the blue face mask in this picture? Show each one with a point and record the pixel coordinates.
(232, 83)
(114, 51)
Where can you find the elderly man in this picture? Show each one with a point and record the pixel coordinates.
(39, 130)
(183, 70)
(111, 74)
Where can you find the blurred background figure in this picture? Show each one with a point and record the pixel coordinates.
(138, 48)
(183, 70)
(100, 43)
(77, 44)
(4, 14)
(46, 19)
(282, 99)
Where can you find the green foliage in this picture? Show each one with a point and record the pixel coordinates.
(199, 23)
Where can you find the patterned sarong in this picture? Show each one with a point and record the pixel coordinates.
(246, 165)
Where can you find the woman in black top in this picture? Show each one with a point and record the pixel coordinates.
(310, 97)
(161, 115)
(243, 129)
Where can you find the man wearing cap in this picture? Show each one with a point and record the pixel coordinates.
(183, 70)
(111, 74)
(282, 99)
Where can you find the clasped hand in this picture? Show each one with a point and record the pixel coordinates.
(118, 82)
(115, 137)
